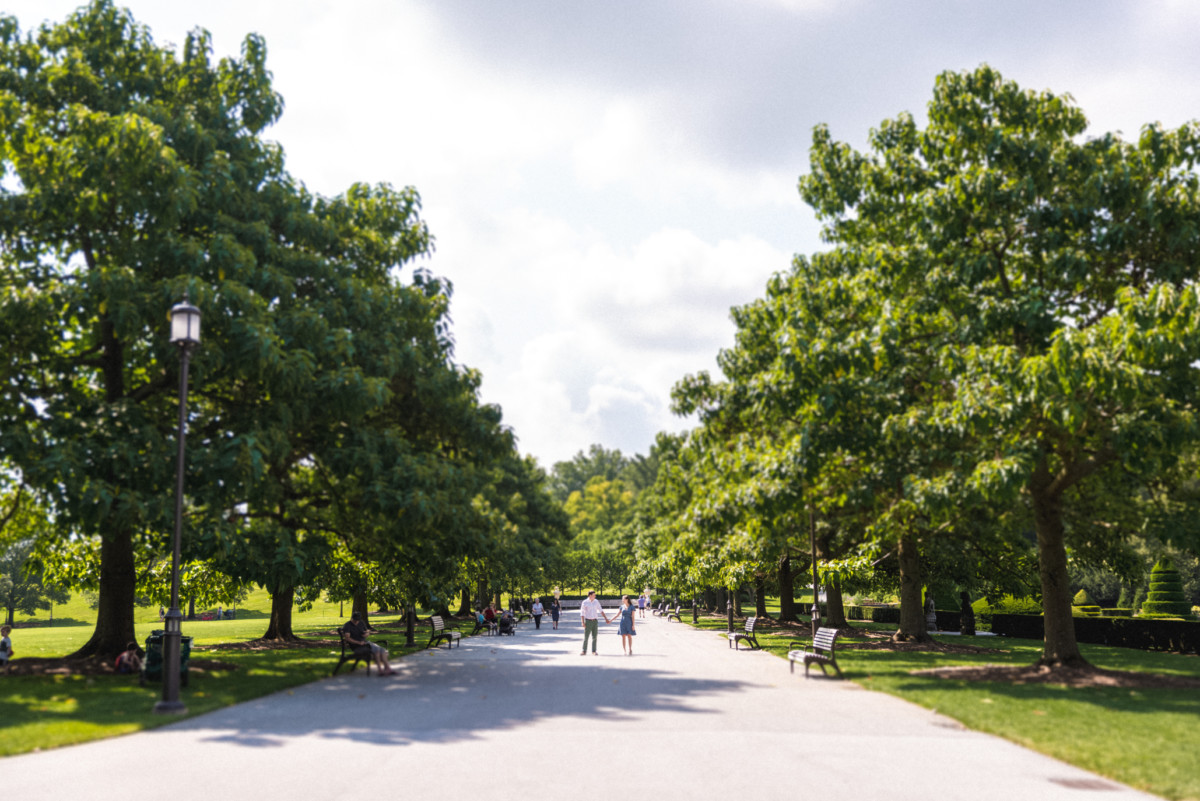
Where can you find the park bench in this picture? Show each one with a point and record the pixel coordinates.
(486, 626)
(674, 613)
(736, 637)
(660, 610)
(441, 634)
(821, 651)
(354, 653)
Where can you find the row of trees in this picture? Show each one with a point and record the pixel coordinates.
(990, 372)
(333, 441)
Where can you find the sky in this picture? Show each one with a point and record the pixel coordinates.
(605, 180)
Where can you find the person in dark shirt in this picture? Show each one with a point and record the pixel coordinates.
(356, 634)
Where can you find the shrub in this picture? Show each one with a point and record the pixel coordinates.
(1082, 599)
(1166, 592)
(1090, 610)
(1117, 611)
(1009, 605)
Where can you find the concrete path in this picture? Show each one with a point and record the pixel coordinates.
(528, 718)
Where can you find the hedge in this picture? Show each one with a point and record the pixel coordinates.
(946, 620)
(1181, 636)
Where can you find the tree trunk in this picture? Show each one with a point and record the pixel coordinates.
(760, 597)
(835, 612)
(481, 593)
(114, 615)
(191, 615)
(1060, 647)
(410, 624)
(359, 604)
(280, 627)
(787, 604)
(9, 615)
(966, 620)
(912, 614)
(464, 606)
(737, 602)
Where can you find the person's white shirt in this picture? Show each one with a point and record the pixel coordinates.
(591, 609)
(537, 608)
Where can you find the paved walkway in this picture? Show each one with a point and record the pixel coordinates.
(528, 718)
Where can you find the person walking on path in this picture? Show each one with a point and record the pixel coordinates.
(642, 605)
(590, 612)
(537, 610)
(627, 629)
(555, 611)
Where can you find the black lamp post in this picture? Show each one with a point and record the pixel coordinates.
(185, 332)
(812, 542)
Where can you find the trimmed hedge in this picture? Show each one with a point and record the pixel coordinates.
(1117, 611)
(1087, 610)
(946, 620)
(1181, 636)
(1166, 592)
(875, 614)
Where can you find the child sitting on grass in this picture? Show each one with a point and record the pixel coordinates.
(129, 661)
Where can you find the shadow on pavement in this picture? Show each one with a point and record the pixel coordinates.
(445, 697)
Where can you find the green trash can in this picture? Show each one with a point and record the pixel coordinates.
(152, 665)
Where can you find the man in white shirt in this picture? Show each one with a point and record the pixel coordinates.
(590, 612)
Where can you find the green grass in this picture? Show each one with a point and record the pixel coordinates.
(1147, 739)
(49, 711)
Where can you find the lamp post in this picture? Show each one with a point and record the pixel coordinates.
(185, 332)
(812, 542)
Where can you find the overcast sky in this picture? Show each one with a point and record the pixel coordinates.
(605, 179)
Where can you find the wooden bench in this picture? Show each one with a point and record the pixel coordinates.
(486, 626)
(736, 637)
(821, 652)
(441, 634)
(674, 613)
(354, 653)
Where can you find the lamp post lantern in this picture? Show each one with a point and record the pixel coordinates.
(185, 332)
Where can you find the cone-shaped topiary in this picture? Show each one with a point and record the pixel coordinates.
(1166, 592)
(1082, 599)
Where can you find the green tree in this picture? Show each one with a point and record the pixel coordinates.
(572, 476)
(137, 175)
(1054, 276)
(21, 586)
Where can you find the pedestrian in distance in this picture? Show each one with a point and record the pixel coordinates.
(590, 612)
(555, 611)
(627, 628)
(642, 605)
(537, 610)
(6, 651)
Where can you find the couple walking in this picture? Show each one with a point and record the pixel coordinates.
(590, 612)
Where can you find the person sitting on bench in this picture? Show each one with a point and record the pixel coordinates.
(356, 634)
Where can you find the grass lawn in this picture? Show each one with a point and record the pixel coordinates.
(48, 711)
(1148, 739)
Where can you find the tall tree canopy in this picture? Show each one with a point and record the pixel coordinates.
(1054, 278)
(323, 383)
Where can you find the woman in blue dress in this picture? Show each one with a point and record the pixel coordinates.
(627, 629)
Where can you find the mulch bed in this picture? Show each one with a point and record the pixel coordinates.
(35, 666)
(1074, 676)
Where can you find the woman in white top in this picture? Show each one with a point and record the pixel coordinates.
(537, 612)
